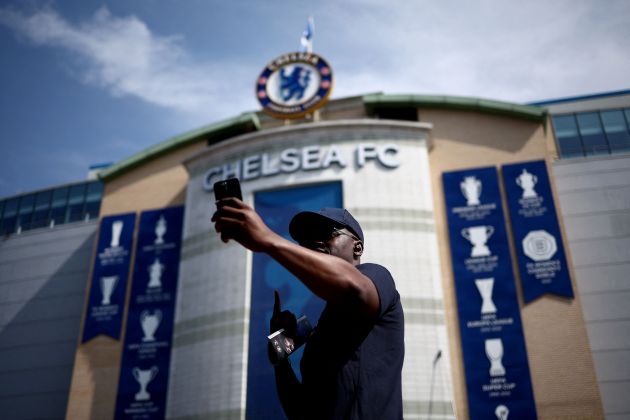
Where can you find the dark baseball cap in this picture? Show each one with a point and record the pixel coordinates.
(307, 224)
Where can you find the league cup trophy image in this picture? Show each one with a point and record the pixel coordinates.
(494, 351)
(107, 288)
(150, 324)
(160, 230)
(144, 377)
(155, 274)
(478, 236)
(527, 182)
(502, 412)
(485, 290)
(117, 227)
(471, 188)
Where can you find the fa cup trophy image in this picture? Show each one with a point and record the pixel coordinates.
(485, 290)
(144, 377)
(149, 324)
(471, 188)
(160, 230)
(155, 274)
(107, 288)
(494, 351)
(117, 227)
(527, 182)
(478, 236)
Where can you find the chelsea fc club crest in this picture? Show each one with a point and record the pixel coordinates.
(294, 85)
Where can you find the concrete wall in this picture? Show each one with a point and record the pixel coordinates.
(43, 275)
(558, 349)
(595, 198)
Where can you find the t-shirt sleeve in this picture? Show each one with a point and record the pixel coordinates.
(385, 286)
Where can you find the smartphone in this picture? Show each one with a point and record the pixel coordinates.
(230, 187)
(281, 345)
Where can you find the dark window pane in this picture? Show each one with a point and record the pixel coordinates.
(567, 136)
(627, 114)
(42, 209)
(25, 213)
(616, 130)
(1, 209)
(58, 206)
(76, 201)
(593, 137)
(9, 217)
(93, 200)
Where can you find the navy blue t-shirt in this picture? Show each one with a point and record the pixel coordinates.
(351, 367)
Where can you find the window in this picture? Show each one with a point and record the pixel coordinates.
(593, 137)
(93, 200)
(58, 206)
(42, 209)
(25, 214)
(567, 134)
(616, 130)
(76, 203)
(9, 216)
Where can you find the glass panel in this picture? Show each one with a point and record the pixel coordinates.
(627, 114)
(58, 206)
(616, 130)
(93, 200)
(9, 217)
(1, 209)
(42, 209)
(593, 137)
(76, 203)
(567, 135)
(25, 214)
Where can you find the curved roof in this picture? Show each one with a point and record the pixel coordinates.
(249, 121)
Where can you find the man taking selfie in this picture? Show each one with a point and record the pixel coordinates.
(352, 362)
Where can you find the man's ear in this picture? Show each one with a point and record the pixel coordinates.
(358, 249)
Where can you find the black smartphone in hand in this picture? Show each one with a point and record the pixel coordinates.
(230, 187)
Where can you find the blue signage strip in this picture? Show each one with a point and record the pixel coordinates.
(495, 358)
(109, 277)
(542, 262)
(144, 370)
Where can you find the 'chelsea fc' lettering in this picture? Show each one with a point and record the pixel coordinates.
(308, 158)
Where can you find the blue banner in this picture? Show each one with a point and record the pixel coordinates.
(495, 358)
(542, 262)
(109, 277)
(144, 370)
(277, 208)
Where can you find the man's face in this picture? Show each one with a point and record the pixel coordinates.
(334, 240)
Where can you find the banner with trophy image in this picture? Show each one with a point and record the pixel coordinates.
(109, 277)
(542, 262)
(144, 370)
(495, 358)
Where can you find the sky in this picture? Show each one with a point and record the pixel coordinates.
(85, 82)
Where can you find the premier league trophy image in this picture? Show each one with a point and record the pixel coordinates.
(160, 230)
(527, 182)
(107, 288)
(485, 290)
(150, 324)
(494, 351)
(117, 227)
(471, 188)
(144, 377)
(478, 236)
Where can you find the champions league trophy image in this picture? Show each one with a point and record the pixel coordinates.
(149, 324)
(527, 182)
(144, 377)
(485, 290)
(478, 236)
(117, 227)
(107, 288)
(494, 351)
(160, 230)
(471, 188)
(155, 274)
(502, 412)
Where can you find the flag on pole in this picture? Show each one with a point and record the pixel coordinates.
(306, 42)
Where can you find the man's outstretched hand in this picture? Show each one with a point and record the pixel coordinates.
(236, 220)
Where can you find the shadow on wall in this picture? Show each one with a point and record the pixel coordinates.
(42, 287)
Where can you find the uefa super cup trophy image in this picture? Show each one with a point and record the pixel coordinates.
(502, 412)
(478, 236)
(155, 274)
(144, 377)
(150, 324)
(160, 230)
(108, 284)
(471, 188)
(494, 351)
(527, 182)
(485, 290)
(117, 227)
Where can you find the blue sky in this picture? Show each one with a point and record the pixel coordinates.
(86, 82)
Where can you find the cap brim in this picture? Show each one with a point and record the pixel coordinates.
(307, 225)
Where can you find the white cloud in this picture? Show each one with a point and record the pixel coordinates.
(122, 55)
